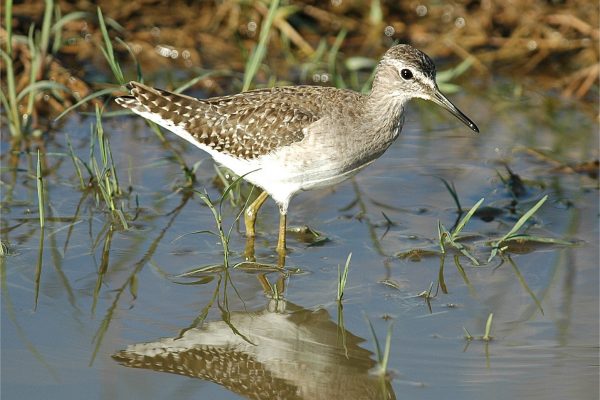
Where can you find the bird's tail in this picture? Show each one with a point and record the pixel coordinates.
(162, 105)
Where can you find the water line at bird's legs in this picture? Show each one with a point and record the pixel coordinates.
(251, 212)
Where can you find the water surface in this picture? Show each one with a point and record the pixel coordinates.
(112, 321)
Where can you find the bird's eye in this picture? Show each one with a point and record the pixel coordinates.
(406, 74)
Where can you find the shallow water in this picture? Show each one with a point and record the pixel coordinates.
(111, 320)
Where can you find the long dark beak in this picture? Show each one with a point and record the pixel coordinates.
(441, 100)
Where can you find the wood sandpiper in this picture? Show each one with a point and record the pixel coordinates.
(293, 138)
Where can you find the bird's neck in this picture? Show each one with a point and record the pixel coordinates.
(384, 110)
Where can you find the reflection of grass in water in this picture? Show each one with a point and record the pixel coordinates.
(383, 356)
(224, 280)
(9, 310)
(131, 282)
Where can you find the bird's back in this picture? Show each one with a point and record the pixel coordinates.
(246, 125)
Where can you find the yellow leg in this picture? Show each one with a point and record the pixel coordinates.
(281, 239)
(249, 250)
(250, 214)
(274, 291)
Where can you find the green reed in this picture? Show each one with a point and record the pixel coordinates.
(217, 212)
(452, 238)
(40, 191)
(258, 54)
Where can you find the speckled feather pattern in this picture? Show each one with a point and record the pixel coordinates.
(246, 125)
(293, 138)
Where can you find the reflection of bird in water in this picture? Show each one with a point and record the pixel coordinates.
(293, 354)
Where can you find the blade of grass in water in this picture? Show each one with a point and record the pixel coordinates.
(513, 231)
(466, 219)
(343, 278)
(488, 328)
(40, 190)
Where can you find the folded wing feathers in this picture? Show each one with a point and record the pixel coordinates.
(246, 126)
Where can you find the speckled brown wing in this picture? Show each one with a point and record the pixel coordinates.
(245, 125)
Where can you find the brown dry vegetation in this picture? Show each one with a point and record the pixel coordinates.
(555, 43)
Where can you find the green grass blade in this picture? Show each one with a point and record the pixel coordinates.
(443, 234)
(343, 278)
(537, 239)
(85, 100)
(466, 219)
(496, 245)
(36, 60)
(138, 67)
(75, 160)
(56, 33)
(333, 52)
(14, 117)
(460, 247)
(259, 51)
(8, 6)
(199, 78)
(108, 52)
(41, 86)
(524, 218)
(230, 187)
(450, 187)
(449, 74)
(60, 22)
(46, 25)
(488, 328)
(40, 191)
(468, 335)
